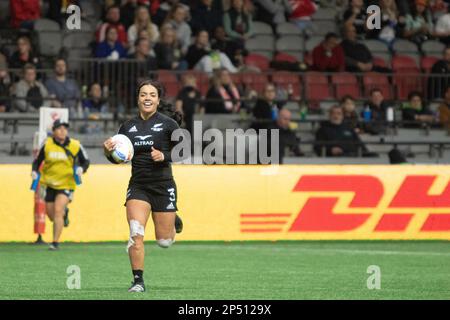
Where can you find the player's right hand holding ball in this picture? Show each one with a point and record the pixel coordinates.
(109, 146)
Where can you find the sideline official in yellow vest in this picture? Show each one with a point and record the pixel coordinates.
(65, 160)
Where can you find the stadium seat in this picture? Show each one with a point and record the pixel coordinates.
(45, 25)
(376, 46)
(267, 54)
(289, 43)
(433, 48)
(379, 61)
(316, 86)
(49, 43)
(257, 60)
(345, 84)
(261, 43)
(254, 81)
(288, 28)
(324, 14)
(427, 63)
(373, 80)
(261, 28)
(406, 48)
(400, 62)
(402, 45)
(407, 80)
(282, 56)
(282, 79)
(170, 82)
(312, 42)
(322, 27)
(77, 39)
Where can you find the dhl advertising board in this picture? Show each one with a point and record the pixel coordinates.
(289, 202)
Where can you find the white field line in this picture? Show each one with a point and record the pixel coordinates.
(293, 249)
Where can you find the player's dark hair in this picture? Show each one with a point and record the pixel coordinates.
(164, 107)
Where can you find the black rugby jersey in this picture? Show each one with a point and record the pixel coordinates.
(145, 134)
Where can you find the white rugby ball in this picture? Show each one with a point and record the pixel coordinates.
(124, 150)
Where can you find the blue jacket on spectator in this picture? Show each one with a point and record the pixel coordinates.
(104, 50)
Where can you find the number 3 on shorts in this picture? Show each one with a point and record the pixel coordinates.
(171, 194)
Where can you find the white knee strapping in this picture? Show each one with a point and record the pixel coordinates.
(165, 243)
(135, 229)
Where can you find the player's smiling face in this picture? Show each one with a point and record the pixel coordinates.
(148, 99)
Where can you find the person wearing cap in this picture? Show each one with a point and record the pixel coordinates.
(65, 160)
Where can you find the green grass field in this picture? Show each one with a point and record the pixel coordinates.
(233, 270)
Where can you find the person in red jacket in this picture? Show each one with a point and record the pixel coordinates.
(112, 20)
(329, 56)
(24, 12)
(300, 12)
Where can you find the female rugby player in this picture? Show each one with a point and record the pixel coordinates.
(61, 155)
(151, 188)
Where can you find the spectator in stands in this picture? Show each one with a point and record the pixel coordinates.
(271, 12)
(24, 12)
(357, 56)
(57, 10)
(94, 107)
(29, 93)
(356, 16)
(442, 28)
(112, 21)
(440, 79)
(444, 111)
(389, 22)
(206, 16)
(223, 96)
(337, 139)
(329, 56)
(378, 107)
(237, 22)
(111, 48)
(416, 112)
(188, 101)
(235, 51)
(176, 18)
(288, 141)
(5, 86)
(144, 54)
(198, 49)
(351, 117)
(142, 21)
(300, 12)
(127, 13)
(266, 108)
(64, 91)
(418, 24)
(24, 54)
(215, 60)
(95, 103)
(163, 10)
(168, 51)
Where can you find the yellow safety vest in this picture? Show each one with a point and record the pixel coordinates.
(57, 172)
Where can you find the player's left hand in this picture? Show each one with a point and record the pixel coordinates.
(157, 155)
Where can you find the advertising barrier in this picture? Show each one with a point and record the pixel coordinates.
(289, 202)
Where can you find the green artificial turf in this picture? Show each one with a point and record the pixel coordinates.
(231, 270)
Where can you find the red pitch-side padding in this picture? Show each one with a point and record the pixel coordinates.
(39, 212)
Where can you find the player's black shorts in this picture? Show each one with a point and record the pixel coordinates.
(162, 195)
(50, 194)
